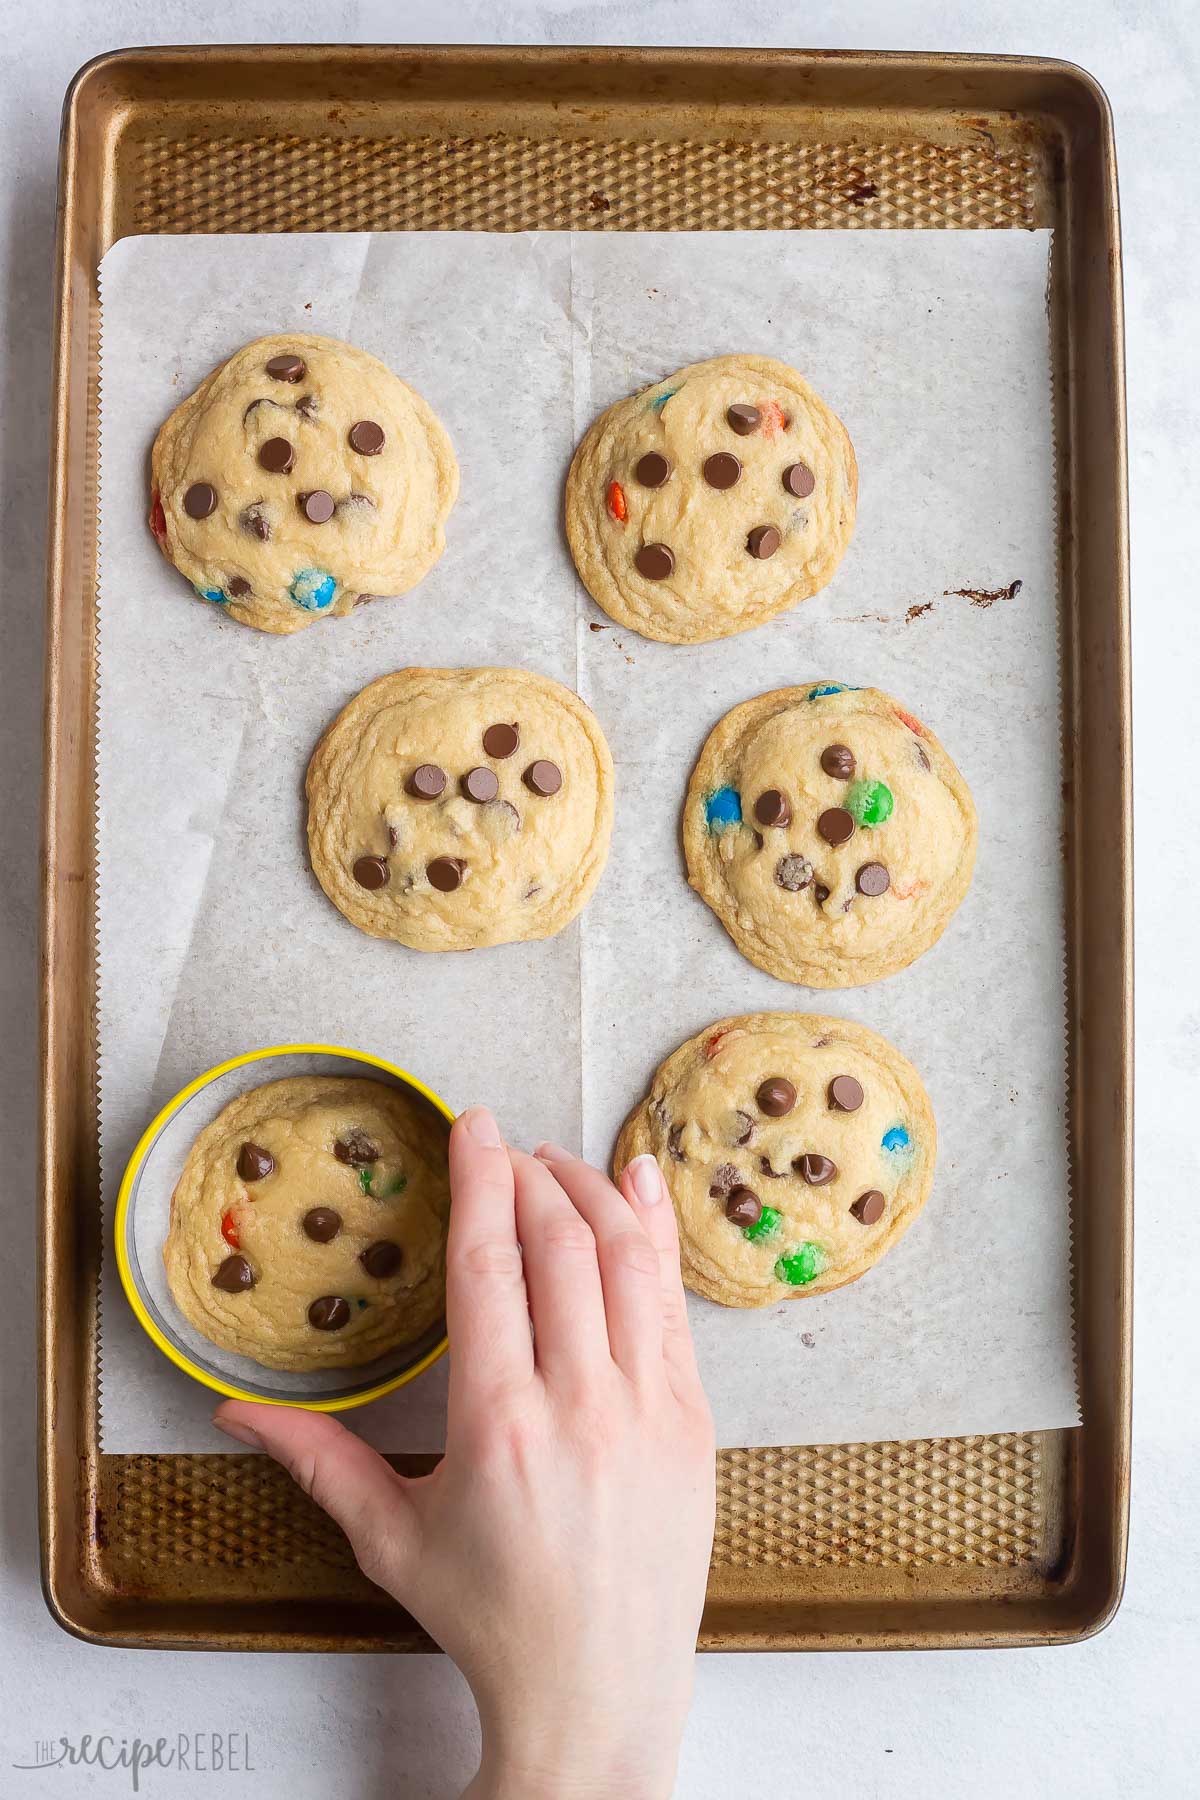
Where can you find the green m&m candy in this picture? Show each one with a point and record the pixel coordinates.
(766, 1225)
(869, 802)
(799, 1267)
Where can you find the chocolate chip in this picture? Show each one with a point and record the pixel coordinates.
(286, 368)
(355, 1149)
(445, 873)
(254, 1163)
(237, 586)
(743, 419)
(371, 872)
(366, 437)
(382, 1259)
(922, 756)
(234, 1276)
(776, 1096)
(254, 520)
(772, 808)
(652, 469)
(798, 479)
(743, 1126)
(200, 500)
(322, 1224)
(814, 1168)
(654, 561)
(836, 826)
(844, 1094)
(480, 785)
(724, 1179)
(512, 818)
(308, 407)
(868, 1208)
(838, 760)
(276, 456)
(820, 894)
(673, 1144)
(500, 741)
(743, 1207)
(793, 873)
(329, 1313)
(426, 782)
(763, 541)
(872, 879)
(723, 470)
(317, 507)
(544, 778)
(764, 1163)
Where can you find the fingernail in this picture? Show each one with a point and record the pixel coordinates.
(552, 1153)
(482, 1127)
(245, 1434)
(647, 1182)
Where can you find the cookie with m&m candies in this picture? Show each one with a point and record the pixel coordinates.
(711, 501)
(830, 832)
(300, 478)
(797, 1151)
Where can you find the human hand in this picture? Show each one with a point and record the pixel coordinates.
(559, 1550)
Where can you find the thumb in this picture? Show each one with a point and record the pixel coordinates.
(347, 1479)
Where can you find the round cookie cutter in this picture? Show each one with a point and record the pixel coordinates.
(143, 1212)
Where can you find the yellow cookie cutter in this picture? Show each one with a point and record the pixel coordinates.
(171, 1349)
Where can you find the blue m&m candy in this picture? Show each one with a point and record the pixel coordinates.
(313, 589)
(896, 1139)
(216, 595)
(722, 809)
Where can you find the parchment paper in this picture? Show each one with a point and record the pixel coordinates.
(214, 937)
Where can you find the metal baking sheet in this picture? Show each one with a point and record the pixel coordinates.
(938, 1542)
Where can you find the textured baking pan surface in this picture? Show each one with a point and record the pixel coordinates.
(929, 1543)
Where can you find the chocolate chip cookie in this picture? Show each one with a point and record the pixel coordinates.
(450, 809)
(301, 477)
(308, 1226)
(797, 1151)
(830, 833)
(711, 501)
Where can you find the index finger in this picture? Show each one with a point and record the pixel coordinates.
(645, 1188)
(487, 1309)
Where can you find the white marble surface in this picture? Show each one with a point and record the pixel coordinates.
(1114, 1716)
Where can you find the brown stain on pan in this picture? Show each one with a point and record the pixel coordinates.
(985, 597)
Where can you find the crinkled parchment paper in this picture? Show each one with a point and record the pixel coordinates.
(215, 938)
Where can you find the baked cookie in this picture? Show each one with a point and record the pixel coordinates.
(308, 1226)
(454, 808)
(301, 477)
(797, 1151)
(830, 833)
(711, 501)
